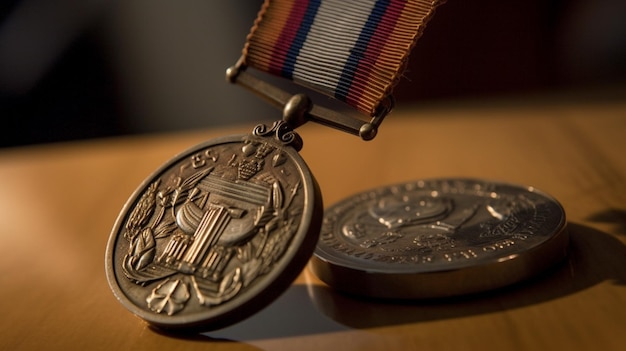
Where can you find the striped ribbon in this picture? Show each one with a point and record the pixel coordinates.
(352, 50)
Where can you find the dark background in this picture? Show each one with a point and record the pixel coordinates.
(76, 69)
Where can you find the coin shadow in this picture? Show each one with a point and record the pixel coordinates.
(594, 257)
(612, 215)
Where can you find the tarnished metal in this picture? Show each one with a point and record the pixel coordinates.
(439, 238)
(216, 233)
(319, 114)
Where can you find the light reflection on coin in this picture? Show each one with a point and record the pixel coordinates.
(217, 233)
(439, 238)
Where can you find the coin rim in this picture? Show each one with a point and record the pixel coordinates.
(255, 297)
(418, 284)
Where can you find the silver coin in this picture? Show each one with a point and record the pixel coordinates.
(439, 238)
(217, 233)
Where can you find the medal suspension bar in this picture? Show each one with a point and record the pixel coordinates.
(298, 108)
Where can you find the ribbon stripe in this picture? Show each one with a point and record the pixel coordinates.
(354, 51)
(303, 26)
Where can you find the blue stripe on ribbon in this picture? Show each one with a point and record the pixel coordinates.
(294, 50)
(358, 51)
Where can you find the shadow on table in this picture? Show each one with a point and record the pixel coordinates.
(292, 314)
(614, 216)
(594, 257)
(314, 309)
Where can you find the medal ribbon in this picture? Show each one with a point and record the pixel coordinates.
(352, 50)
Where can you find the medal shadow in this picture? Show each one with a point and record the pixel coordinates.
(594, 257)
(293, 314)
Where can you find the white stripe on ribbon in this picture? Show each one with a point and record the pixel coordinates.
(339, 23)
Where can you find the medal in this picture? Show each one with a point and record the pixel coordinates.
(212, 235)
(222, 229)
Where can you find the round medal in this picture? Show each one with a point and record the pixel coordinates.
(438, 238)
(216, 233)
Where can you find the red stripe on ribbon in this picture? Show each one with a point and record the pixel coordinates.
(287, 36)
(374, 48)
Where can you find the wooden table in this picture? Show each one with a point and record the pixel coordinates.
(59, 203)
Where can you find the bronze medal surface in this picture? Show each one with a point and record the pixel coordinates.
(217, 233)
(439, 238)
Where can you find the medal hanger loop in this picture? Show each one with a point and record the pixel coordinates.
(298, 108)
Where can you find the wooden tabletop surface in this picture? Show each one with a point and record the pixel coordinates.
(58, 204)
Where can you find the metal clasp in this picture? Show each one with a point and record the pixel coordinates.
(325, 116)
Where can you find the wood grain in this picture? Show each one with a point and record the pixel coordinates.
(59, 202)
